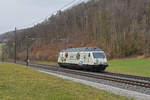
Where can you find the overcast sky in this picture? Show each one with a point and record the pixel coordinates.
(23, 13)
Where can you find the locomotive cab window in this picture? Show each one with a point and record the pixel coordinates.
(98, 55)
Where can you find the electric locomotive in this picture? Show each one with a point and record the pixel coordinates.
(83, 58)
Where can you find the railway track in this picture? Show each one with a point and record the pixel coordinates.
(113, 77)
(143, 78)
(126, 79)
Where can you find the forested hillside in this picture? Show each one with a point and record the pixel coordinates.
(120, 27)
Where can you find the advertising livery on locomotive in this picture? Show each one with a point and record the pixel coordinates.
(83, 58)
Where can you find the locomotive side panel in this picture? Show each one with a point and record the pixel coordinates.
(83, 59)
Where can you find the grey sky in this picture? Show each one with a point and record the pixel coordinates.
(23, 13)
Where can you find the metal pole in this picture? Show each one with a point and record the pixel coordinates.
(15, 58)
(67, 43)
(27, 56)
(2, 54)
(27, 52)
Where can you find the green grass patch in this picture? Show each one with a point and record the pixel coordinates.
(132, 66)
(22, 83)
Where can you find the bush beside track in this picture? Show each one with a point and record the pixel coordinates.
(47, 63)
(21, 83)
(1, 45)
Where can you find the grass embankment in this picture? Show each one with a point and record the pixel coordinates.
(132, 66)
(21, 83)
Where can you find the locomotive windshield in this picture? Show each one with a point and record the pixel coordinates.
(98, 55)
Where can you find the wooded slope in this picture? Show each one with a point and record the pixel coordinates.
(120, 27)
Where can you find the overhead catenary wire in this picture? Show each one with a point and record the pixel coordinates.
(66, 6)
(55, 12)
